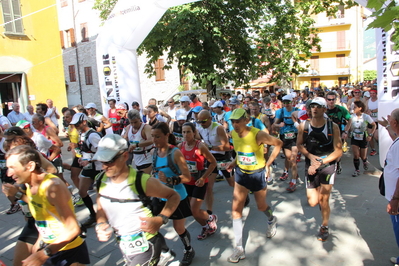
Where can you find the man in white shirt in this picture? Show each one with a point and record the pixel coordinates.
(14, 116)
(52, 112)
(29, 114)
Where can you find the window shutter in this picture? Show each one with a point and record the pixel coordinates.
(161, 70)
(340, 60)
(17, 16)
(72, 36)
(7, 15)
(341, 40)
(62, 39)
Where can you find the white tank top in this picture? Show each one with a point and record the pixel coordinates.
(210, 136)
(139, 159)
(373, 105)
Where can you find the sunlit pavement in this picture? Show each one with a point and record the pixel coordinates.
(360, 229)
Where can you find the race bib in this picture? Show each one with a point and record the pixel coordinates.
(221, 165)
(289, 135)
(113, 120)
(374, 115)
(2, 164)
(179, 137)
(192, 166)
(268, 112)
(45, 231)
(133, 244)
(358, 135)
(247, 158)
(136, 143)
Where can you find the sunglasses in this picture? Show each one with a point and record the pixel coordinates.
(330, 99)
(316, 105)
(286, 102)
(172, 102)
(203, 121)
(356, 92)
(114, 159)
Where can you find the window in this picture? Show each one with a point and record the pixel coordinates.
(84, 32)
(88, 76)
(314, 63)
(70, 38)
(80, 1)
(159, 71)
(64, 3)
(72, 73)
(12, 16)
(340, 60)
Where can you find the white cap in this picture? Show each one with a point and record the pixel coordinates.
(287, 98)
(78, 118)
(185, 99)
(217, 104)
(181, 114)
(91, 105)
(320, 101)
(366, 94)
(109, 146)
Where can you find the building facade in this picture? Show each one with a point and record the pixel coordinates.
(31, 69)
(340, 60)
(79, 26)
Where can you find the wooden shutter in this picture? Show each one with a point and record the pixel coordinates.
(88, 76)
(7, 15)
(159, 71)
(72, 74)
(72, 37)
(62, 39)
(341, 40)
(17, 16)
(314, 62)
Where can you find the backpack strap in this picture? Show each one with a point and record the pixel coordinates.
(140, 191)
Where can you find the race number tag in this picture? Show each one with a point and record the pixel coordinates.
(136, 143)
(221, 165)
(374, 115)
(179, 137)
(133, 244)
(2, 164)
(247, 158)
(192, 166)
(358, 135)
(45, 231)
(113, 120)
(268, 112)
(289, 135)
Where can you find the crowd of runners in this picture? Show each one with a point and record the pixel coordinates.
(151, 164)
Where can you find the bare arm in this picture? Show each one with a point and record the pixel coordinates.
(181, 163)
(106, 122)
(147, 133)
(264, 138)
(52, 135)
(50, 123)
(55, 150)
(224, 145)
(210, 158)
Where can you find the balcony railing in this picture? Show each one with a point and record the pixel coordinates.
(326, 72)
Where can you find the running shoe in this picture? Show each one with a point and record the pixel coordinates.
(284, 176)
(78, 201)
(356, 173)
(282, 156)
(271, 227)
(166, 257)
(366, 165)
(219, 178)
(373, 152)
(212, 223)
(14, 208)
(188, 257)
(270, 181)
(91, 221)
(205, 232)
(291, 188)
(323, 233)
(274, 164)
(238, 254)
(339, 170)
(394, 260)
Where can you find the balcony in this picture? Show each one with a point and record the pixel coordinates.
(326, 72)
(323, 21)
(332, 46)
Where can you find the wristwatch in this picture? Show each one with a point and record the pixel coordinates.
(370, 135)
(18, 195)
(165, 219)
(47, 251)
(320, 160)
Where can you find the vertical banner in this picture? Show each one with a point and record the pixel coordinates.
(388, 85)
(125, 29)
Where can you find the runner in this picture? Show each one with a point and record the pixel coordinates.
(323, 148)
(250, 175)
(120, 208)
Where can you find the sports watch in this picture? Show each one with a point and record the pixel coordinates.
(165, 219)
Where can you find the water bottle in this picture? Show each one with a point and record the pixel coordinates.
(345, 147)
(25, 208)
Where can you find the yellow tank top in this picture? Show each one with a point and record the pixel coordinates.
(46, 217)
(73, 134)
(249, 153)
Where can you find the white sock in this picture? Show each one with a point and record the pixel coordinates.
(237, 228)
(293, 181)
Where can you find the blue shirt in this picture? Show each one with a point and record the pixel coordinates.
(285, 117)
(15, 118)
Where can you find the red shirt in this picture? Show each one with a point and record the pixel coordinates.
(195, 161)
(198, 103)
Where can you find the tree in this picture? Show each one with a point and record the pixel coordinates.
(369, 75)
(386, 16)
(235, 40)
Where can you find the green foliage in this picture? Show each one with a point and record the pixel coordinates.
(386, 17)
(369, 74)
(234, 40)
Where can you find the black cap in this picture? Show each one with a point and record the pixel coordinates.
(192, 96)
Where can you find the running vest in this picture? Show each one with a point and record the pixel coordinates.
(210, 136)
(124, 215)
(286, 118)
(195, 162)
(219, 118)
(141, 154)
(249, 154)
(46, 217)
(319, 141)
